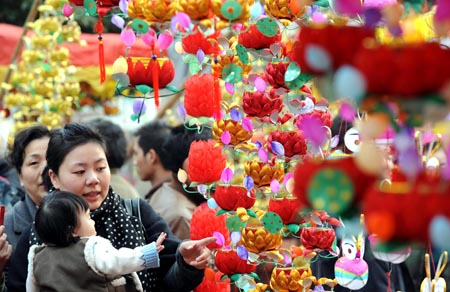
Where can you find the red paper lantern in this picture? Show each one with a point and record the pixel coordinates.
(199, 95)
(229, 263)
(140, 71)
(317, 238)
(340, 42)
(288, 208)
(215, 284)
(261, 104)
(205, 162)
(382, 65)
(292, 141)
(204, 223)
(305, 171)
(406, 208)
(230, 197)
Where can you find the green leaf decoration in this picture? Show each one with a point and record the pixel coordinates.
(292, 72)
(231, 10)
(322, 3)
(134, 117)
(204, 120)
(299, 81)
(139, 25)
(251, 213)
(224, 277)
(234, 223)
(272, 222)
(268, 26)
(331, 190)
(232, 73)
(91, 7)
(189, 58)
(194, 67)
(235, 277)
(221, 212)
(172, 88)
(144, 88)
(293, 228)
(193, 121)
(242, 53)
(254, 275)
(54, 109)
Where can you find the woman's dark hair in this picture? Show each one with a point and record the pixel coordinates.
(64, 140)
(152, 136)
(176, 147)
(21, 141)
(116, 142)
(57, 217)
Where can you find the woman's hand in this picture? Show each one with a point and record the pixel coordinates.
(5, 249)
(195, 252)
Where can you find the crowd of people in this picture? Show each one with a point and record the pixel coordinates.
(67, 201)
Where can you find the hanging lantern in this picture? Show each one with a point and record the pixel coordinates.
(288, 208)
(257, 239)
(229, 263)
(237, 133)
(231, 197)
(291, 279)
(154, 72)
(292, 141)
(262, 173)
(261, 104)
(317, 238)
(205, 162)
(199, 94)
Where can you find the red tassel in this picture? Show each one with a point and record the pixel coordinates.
(101, 53)
(217, 96)
(156, 81)
(101, 59)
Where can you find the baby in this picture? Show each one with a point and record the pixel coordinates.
(74, 258)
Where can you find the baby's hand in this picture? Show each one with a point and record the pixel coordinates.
(160, 240)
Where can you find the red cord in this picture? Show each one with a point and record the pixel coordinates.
(388, 274)
(156, 81)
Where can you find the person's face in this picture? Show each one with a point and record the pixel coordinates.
(142, 162)
(86, 226)
(84, 172)
(34, 163)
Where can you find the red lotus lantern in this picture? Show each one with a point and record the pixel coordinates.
(199, 96)
(288, 208)
(292, 141)
(205, 162)
(274, 74)
(229, 263)
(261, 104)
(140, 71)
(255, 39)
(154, 72)
(230, 197)
(204, 223)
(317, 238)
(196, 41)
